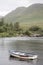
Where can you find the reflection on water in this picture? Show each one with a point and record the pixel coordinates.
(32, 45)
(33, 62)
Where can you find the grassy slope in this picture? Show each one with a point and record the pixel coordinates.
(32, 15)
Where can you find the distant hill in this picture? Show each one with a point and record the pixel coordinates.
(32, 15)
(12, 16)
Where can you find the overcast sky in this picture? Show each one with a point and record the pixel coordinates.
(8, 5)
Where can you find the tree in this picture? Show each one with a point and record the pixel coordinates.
(6, 27)
(16, 26)
(1, 22)
(11, 26)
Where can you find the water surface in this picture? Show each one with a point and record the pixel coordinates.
(34, 45)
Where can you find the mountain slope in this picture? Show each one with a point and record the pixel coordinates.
(12, 16)
(28, 16)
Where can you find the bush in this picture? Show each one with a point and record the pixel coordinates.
(27, 33)
(34, 28)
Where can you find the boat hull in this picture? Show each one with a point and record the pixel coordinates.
(23, 57)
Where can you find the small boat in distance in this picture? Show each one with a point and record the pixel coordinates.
(22, 55)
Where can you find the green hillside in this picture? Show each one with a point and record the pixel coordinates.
(32, 15)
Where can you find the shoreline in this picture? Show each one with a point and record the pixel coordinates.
(21, 38)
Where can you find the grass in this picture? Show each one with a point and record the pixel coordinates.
(27, 25)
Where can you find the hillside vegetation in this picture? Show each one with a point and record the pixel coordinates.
(27, 16)
(12, 30)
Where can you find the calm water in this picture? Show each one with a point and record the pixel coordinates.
(34, 45)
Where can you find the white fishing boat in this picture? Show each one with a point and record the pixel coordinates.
(22, 55)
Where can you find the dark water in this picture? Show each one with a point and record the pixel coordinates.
(27, 45)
